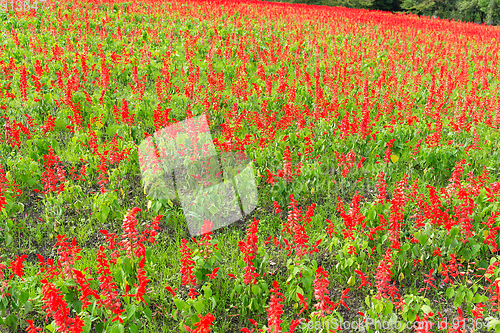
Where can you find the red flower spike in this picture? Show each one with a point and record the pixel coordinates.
(324, 305)
(32, 328)
(171, 290)
(17, 266)
(275, 309)
(213, 275)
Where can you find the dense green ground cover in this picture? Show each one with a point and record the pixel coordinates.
(374, 138)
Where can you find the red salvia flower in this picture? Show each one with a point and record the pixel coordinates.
(143, 281)
(478, 311)
(277, 207)
(303, 302)
(24, 84)
(54, 173)
(187, 265)
(130, 234)
(125, 113)
(300, 241)
(56, 306)
(203, 326)
(388, 151)
(152, 231)
(364, 279)
(294, 217)
(343, 297)
(68, 255)
(109, 297)
(383, 275)
(32, 328)
(398, 203)
(117, 114)
(437, 252)
(4, 184)
(324, 305)
(275, 310)
(246, 330)
(381, 187)
(492, 232)
(85, 289)
(423, 324)
(192, 293)
(287, 165)
(171, 290)
(250, 275)
(49, 125)
(331, 228)
(17, 266)
(213, 275)
(428, 281)
(451, 270)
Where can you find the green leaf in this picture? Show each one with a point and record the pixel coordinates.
(127, 265)
(213, 210)
(426, 308)
(470, 295)
(50, 327)
(214, 302)
(27, 308)
(118, 328)
(98, 327)
(422, 239)
(88, 325)
(198, 305)
(130, 311)
(475, 249)
(11, 320)
(478, 298)
(77, 305)
(208, 291)
(23, 297)
(450, 292)
(147, 313)
(256, 290)
(157, 207)
(459, 298)
(388, 309)
(8, 240)
(104, 213)
(133, 328)
(194, 319)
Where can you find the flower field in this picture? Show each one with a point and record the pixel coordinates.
(375, 145)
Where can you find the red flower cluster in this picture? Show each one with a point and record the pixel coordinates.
(275, 310)
(203, 326)
(130, 234)
(187, 266)
(54, 173)
(324, 305)
(249, 249)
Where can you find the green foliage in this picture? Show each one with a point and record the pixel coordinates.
(349, 3)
